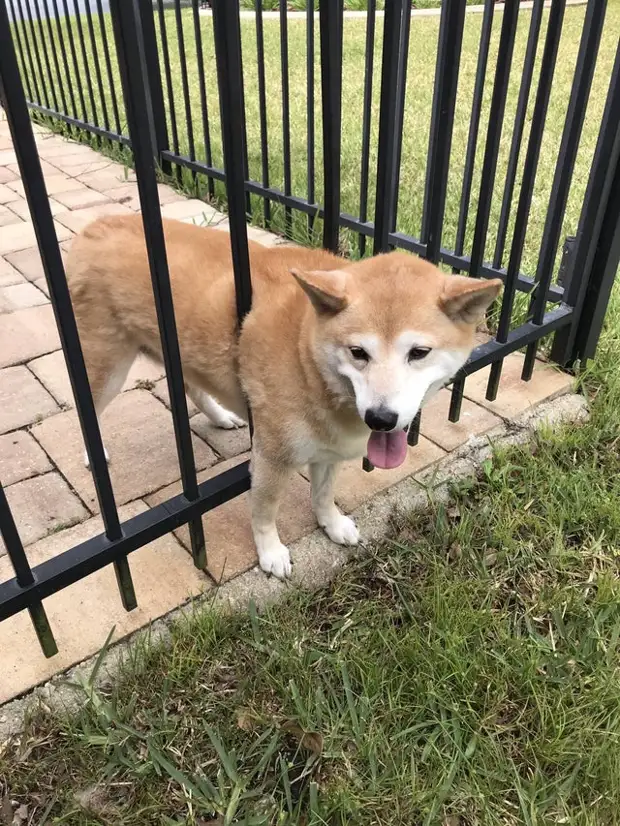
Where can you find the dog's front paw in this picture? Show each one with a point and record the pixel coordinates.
(341, 530)
(276, 560)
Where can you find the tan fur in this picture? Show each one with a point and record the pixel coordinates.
(275, 361)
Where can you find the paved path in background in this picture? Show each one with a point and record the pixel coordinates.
(357, 15)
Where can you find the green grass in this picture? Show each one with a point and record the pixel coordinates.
(463, 672)
(423, 47)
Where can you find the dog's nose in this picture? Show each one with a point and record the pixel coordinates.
(381, 418)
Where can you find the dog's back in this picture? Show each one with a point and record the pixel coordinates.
(110, 283)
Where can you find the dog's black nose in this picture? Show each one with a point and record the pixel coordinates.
(381, 418)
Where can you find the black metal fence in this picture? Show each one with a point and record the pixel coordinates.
(142, 76)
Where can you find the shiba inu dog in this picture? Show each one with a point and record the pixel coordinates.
(335, 358)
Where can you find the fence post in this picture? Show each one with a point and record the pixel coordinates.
(386, 159)
(442, 122)
(594, 258)
(227, 36)
(126, 24)
(331, 23)
(156, 111)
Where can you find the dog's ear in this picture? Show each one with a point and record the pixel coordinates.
(325, 289)
(466, 299)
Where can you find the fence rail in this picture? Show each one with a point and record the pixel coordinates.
(233, 110)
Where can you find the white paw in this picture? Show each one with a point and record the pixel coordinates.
(275, 559)
(226, 420)
(87, 461)
(341, 530)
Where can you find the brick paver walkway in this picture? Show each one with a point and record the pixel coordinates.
(51, 493)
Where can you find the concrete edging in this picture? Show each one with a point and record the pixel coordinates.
(317, 559)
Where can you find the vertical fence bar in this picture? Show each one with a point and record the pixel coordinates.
(590, 258)
(494, 133)
(23, 574)
(286, 112)
(230, 82)
(87, 74)
(474, 125)
(547, 68)
(38, 204)
(571, 136)
(386, 160)
(367, 116)
(330, 22)
(35, 49)
(125, 17)
(184, 80)
(244, 131)
(310, 170)
(46, 58)
(54, 51)
(401, 95)
(442, 123)
(157, 109)
(413, 435)
(204, 106)
(163, 36)
(65, 59)
(75, 62)
(96, 64)
(517, 135)
(22, 53)
(262, 107)
(604, 271)
(108, 65)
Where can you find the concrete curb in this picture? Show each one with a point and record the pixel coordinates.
(317, 559)
(358, 15)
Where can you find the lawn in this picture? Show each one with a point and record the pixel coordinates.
(422, 54)
(464, 672)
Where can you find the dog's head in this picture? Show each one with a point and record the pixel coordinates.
(387, 333)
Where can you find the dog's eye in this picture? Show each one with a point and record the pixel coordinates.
(418, 353)
(359, 354)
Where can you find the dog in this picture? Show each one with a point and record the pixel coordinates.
(335, 358)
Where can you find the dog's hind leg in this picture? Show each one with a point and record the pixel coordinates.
(217, 415)
(108, 365)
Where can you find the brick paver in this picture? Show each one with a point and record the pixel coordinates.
(26, 334)
(8, 217)
(21, 457)
(28, 263)
(23, 400)
(8, 274)
(21, 296)
(43, 504)
(77, 219)
(21, 236)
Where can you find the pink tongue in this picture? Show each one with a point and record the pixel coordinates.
(387, 450)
